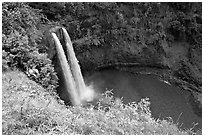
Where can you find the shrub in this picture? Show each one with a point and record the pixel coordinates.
(20, 43)
(27, 109)
(45, 75)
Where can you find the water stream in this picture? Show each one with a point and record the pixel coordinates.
(166, 100)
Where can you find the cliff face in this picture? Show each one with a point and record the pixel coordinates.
(172, 63)
(153, 34)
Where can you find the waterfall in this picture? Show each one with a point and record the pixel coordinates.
(74, 82)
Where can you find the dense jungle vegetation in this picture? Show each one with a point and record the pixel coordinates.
(164, 35)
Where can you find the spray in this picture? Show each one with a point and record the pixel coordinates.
(75, 84)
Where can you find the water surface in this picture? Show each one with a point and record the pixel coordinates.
(166, 100)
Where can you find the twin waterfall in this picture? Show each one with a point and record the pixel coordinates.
(73, 79)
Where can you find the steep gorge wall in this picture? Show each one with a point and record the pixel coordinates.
(173, 57)
(125, 53)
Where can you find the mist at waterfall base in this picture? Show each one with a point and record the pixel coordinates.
(166, 100)
(89, 94)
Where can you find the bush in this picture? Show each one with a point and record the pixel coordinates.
(45, 73)
(20, 43)
(185, 22)
(28, 109)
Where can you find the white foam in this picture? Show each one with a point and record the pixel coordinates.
(89, 94)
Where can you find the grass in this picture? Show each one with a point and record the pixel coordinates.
(28, 109)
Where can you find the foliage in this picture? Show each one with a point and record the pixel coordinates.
(186, 22)
(134, 32)
(23, 19)
(99, 24)
(91, 26)
(21, 35)
(28, 109)
(46, 75)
